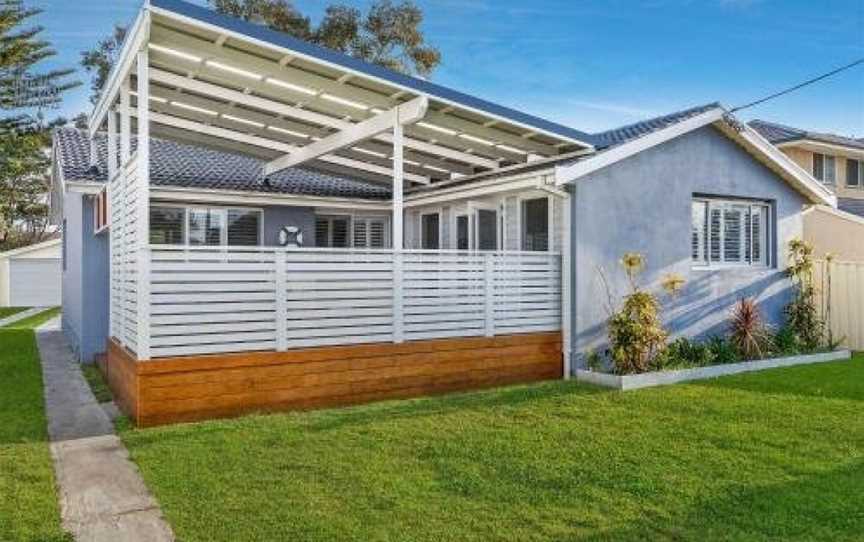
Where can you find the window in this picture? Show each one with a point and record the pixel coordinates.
(535, 224)
(370, 232)
(100, 211)
(487, 230)
(167, 225)
(462, 232)
(824, 168)
(204, 226)
(854, 173)
(430, 229)
(729, 232)
(332, 231)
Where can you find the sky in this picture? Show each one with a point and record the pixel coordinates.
(595, 65)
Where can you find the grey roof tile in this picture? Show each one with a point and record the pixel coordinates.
(779, 133)
(850, 205)
(189, 166)
(623, 134)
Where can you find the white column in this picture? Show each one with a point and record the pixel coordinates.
(112, 171)
(112, 144)
(489, 293)
(281, 301)
(566, 305)
(125, 124)
(398, 243)
(143, 206)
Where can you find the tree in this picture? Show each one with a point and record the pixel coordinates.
(25, 92)
(388, 34)
(98, 61)
(24, 89)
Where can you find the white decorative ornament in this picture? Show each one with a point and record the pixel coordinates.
(290, 236)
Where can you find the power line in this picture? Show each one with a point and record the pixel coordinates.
(800, 85)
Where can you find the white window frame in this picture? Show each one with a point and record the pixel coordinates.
(440, 213)
(860, 184)
(768, 236)
(223, 234)
(338, 216)
(474, 208)
(550, 222)
(384, 219)
(826, 158)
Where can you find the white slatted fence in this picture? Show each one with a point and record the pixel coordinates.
(218, 299)
(124, 259)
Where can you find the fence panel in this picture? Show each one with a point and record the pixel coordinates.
(840, 295)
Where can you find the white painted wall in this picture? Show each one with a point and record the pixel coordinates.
(38, 266)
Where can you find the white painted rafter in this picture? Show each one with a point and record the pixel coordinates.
(407, 113)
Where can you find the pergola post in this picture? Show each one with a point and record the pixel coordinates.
(398, 242)
(143, 206)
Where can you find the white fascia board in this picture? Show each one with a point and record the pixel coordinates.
(353, 73)
(569, 173)
(529, 181)
(239, 197)
(795, 174)
(407, 113)
(84, 187)
(135, 39)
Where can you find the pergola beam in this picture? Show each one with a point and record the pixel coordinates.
(407, 113)
(271, 145)
(203, 88)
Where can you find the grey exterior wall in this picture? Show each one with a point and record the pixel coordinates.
(643, 204)
(85, 279)
(275, 218)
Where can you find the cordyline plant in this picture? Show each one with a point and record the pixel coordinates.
(802, 313)
(636, 333)
(747, 331)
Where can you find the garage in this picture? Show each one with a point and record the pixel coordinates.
(31, 276)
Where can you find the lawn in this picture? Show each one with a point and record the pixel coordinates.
(777, 455)
(6, 312)
(28, 500)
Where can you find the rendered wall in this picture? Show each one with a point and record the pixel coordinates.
(643, 204)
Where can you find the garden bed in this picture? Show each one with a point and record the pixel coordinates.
(662, 378)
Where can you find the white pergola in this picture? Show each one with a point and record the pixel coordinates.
(190, 74)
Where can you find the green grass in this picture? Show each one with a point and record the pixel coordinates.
(97, 384)
(777, 455)
(28, 501)
(6, 312)
(32, 322)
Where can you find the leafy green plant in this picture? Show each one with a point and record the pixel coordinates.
(785, 342)
(683, 352)
(802, 314)
(747, 330)
(636, 333)
(594, 361)
(722, 350)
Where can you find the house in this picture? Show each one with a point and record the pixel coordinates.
(835, 160)
(282, 226)
(30, 276)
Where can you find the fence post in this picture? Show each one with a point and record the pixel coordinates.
(489, 294)
(281, 291)
(398, 296)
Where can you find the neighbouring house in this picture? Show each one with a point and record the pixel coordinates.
(265, 224)
(835, 232)
(835, 160)
(30, 276)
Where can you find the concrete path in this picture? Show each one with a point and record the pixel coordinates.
(21, 315)
(102, 495)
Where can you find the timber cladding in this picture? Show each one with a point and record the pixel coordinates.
(167, 390)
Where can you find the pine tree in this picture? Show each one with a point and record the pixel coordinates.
(25, 90)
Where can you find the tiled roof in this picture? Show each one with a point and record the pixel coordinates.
(779, 133)
(618, 136)
(854, 206)
(189, 166)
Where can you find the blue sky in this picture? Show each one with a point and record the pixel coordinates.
(599, 64)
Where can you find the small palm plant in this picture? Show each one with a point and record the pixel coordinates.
(748, 332)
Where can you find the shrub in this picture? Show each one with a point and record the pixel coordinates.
(802, 314)
(636, 334)
(683, 353)
(747, 331)
(722, 350)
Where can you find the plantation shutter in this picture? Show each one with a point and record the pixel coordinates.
(205, 226)
(167, 225)
(243, 227)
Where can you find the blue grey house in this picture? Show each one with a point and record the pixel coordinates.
(254, 222)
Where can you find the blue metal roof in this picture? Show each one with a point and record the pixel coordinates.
(281, 39)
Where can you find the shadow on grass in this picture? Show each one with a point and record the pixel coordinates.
(822, 506)
(835, 380)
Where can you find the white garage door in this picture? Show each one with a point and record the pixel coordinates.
(34, 283)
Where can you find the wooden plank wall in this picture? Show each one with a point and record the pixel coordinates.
(211, 386)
